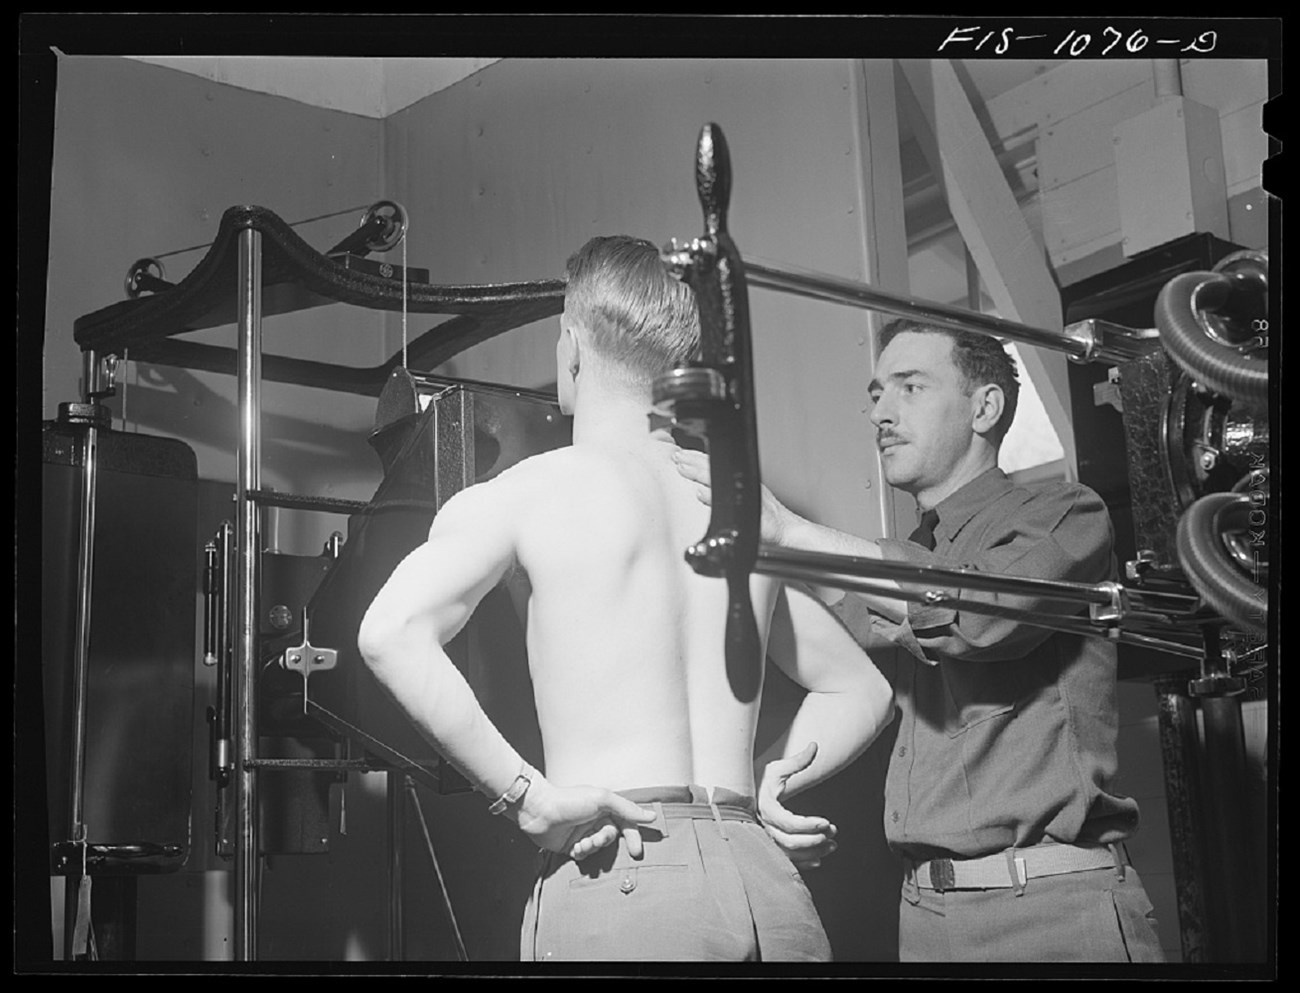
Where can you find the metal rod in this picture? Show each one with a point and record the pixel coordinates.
(461, 954)
(295, 501)
(211, 580)
(1160, 609)
(1183, 603)
(1067, 624)
(227, 788)
(395, 783)
(414, 769)
(430, 381)
(970, 579)
(225, 657)
(319, 765)
(819, 286)
(85, 578)
(249, 478)
(81, 646)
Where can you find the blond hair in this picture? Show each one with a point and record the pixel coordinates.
(638, 316)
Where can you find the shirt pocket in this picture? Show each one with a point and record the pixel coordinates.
(978, 692)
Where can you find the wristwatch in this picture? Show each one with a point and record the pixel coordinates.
(515, 793)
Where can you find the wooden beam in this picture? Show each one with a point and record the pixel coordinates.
(883, 230)
(1010, 259)
(1065, 90)
(884, 238)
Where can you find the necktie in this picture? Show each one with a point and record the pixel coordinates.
(924, 533)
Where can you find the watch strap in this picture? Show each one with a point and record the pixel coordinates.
(515, 793)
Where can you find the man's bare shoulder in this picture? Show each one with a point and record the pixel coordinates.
(545, 469)
(544, 482)
(573, 467)
(591, 485)
(512, 491)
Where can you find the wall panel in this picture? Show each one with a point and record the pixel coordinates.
(146, 160)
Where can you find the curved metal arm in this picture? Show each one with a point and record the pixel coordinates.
(716, 398)
(299, 277)
(723, 400)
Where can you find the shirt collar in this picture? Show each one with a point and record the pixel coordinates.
(956, 509)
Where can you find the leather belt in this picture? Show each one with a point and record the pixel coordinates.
(703, 812)
(994, 871)
(665, 812)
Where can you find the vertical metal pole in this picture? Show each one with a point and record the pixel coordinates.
(91, 388)
(249, 478)
(396, 853)
(85, 575)
(227, 787)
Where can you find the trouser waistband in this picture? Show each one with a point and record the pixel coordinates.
(692, 803)
(1012, 868)
(690, 795)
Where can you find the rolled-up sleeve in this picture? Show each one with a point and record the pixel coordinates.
(1059, 533)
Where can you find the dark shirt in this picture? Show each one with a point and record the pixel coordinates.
(1007, 733)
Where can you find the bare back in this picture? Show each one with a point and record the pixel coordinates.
(625, 641)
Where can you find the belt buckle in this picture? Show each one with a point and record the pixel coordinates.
(942, 875)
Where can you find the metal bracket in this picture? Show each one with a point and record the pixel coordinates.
(1216, 684)
(712, 555)
(1107, 342)
(1109, 391)
(698, 256)
(308, 658)
(1111, 613)
(1147, 568)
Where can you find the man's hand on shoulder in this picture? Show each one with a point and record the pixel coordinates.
(580, 820)
(776, 519)
(805, 840)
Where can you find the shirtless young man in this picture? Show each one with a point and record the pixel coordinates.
(644, 740)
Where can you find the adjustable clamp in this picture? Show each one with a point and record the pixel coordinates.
(307, 658)
(1110, 613)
